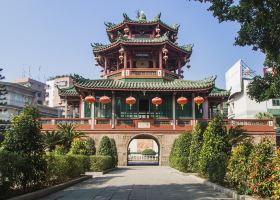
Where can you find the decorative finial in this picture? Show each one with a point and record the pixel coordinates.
(176, 26)
(157, 17)
(141, 15)
(125, 16)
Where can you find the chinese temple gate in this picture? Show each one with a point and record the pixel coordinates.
(142, 92)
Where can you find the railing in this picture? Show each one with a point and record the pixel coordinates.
(250, 125)
(142, 73)
(139, 157)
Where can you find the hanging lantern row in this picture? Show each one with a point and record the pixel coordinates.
(121, 57)
(90, 99)
(165, 51)
(130, 101)
(182, 101)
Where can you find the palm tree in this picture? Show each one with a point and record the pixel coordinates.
(69, 134)
(51, 139)
(237, 135)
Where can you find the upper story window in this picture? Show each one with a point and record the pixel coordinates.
(275, 102)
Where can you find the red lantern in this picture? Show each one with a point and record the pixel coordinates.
(104, 100)
(182, 101)
(130, 101)
(198, 100)
(89, 99)
(157, 101)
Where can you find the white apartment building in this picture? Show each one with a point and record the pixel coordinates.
(240, 106)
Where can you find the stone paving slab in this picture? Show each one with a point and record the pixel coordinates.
(140, 183)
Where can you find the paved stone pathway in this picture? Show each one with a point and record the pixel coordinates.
(139, 183)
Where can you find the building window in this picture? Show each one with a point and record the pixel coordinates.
(275, 102)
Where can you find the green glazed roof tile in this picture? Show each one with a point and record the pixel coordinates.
(177, 84)
(217, 92)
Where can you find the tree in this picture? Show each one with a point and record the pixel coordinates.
(114, 152)
(215, 151)
(3, 102)
(264, 115)
(259, 28)
(179, 156)
(69, 134)
(51, 139)
(25, 138)
(79, 147)
(105, 147)
(195, 147)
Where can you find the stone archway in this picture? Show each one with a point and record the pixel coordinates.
(149, 137)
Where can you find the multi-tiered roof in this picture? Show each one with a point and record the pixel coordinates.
(142, 55)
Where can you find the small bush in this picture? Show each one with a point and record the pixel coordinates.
(215, 151)
(9, 171)
(179, 156)
(63, 167)
(237, 171)
(114, 152)
(100, 163)
(148, 152)
(91, 146)
(260, 169)
(276, 175)
(105, 147)
(79, 147)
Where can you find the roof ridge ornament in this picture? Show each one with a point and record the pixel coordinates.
(157, 17)
(126, 18)
(109, 24)
(141, 16)
(176, 26)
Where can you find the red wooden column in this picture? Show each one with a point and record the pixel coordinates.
(160, 59)
(105, 65)
(113, 109)
(130, 61)
(125, 60)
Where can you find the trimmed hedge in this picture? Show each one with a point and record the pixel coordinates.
(101, 163)
(64, 167)
(149, 152)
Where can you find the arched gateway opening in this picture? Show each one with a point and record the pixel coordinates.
(142, 150)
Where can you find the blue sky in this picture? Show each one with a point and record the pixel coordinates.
(56, 35)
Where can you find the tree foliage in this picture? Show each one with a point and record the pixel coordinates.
(259, 27)
(215, 151)
(51, 139)
(236, 135)
(264, 115)
(105, 147)
(24, 138)
(114, 152)
(179, 156)
(148, 152)
(195, 147)
(237, 170)
(3, 102)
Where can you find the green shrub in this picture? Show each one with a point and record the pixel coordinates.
(237, 170)
(24, 137)
(64, 167)
(9, 171)
(215, 151)
(114, 152)
(179, 155)
(149, 152)
(100, 163)
(195, 147)
(261, 169)
(90, 146)
(79, 147)
(276, 175)
(105, 147)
